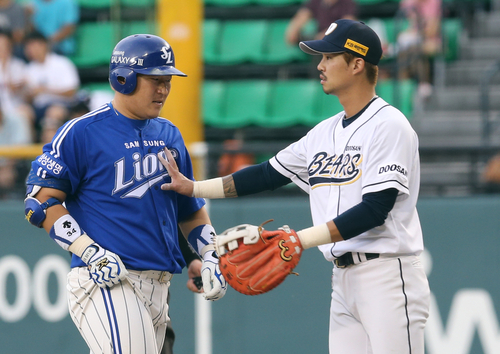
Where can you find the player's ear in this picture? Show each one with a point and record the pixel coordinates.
(358, 65)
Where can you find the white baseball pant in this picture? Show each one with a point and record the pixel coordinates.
(129, 318)
(379, 306)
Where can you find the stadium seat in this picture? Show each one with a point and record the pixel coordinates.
(94, 4)
(310, 28)
(367, 2)
(242, 41)
(277, 51)
(137, 3)
(211, 102)
(401, 98)
(393, 27)
(326, 105)
(228, 2)
(292, 102)
(97, 86)
(452, 31)
(137, 27)
(95, 42)
(245, 103)
(278, 2)
(211, 37)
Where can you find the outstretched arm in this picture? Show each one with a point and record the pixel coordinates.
(250, 180)
(212, 189)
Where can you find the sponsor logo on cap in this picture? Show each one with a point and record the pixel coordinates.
(356, 47)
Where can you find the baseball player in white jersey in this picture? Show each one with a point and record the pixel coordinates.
(95, 190)
(361, 171)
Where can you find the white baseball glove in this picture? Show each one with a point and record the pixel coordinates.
(214, 284)
(105, 267)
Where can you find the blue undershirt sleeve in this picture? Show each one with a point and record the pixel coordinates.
(370, 213)
(258, 178)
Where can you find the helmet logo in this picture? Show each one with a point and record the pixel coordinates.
(115, 59)
(167, 54)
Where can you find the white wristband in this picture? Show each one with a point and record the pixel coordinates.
(80, 244)
(314, 236)
(211, 189)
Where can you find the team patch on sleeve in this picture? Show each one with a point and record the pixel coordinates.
(389, 168)
(47, 162)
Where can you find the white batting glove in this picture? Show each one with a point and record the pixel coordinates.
(214, 284)
(105, 267)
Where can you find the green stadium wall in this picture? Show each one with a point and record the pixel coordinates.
(462, 258)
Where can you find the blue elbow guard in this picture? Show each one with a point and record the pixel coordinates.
(35, 211)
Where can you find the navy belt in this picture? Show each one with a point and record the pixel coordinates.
(351, 258)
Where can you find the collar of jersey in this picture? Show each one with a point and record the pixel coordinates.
(136, 123)
(347, 121)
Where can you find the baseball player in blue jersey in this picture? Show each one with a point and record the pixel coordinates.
(361, 170)
(96, 191)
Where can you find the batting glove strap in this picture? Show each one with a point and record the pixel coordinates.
(105, 267)
(65, 231)
(214, 284)
(202, 238)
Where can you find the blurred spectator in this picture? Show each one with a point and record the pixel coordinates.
(232, 160)
(14, 130)
(324, 12)
(13, 20)
(491, 175)
(50, 80)
(420, 42)
(378, 25)
(57, 21)
(57, 115)
(83, 103)
(11, 75)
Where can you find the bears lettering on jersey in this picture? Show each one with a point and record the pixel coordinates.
(326, 169)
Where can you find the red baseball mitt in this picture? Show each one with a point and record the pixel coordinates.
(253, 260)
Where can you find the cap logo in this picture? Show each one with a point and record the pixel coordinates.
(330, 29)
(356, 47)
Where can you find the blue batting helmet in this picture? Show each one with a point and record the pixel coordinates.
(140, 54)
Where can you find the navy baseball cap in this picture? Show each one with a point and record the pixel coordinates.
(347, 36)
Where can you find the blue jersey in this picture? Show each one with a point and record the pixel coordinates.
(114, 175)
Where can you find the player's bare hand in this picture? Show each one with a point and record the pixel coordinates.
(194, 273)
(179, 183)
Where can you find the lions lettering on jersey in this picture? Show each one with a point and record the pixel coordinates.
(326, 169)
(143, 168)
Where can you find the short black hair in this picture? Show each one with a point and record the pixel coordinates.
(6, 32)
(35, 36)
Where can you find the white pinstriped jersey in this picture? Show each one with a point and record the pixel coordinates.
(337, 165)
